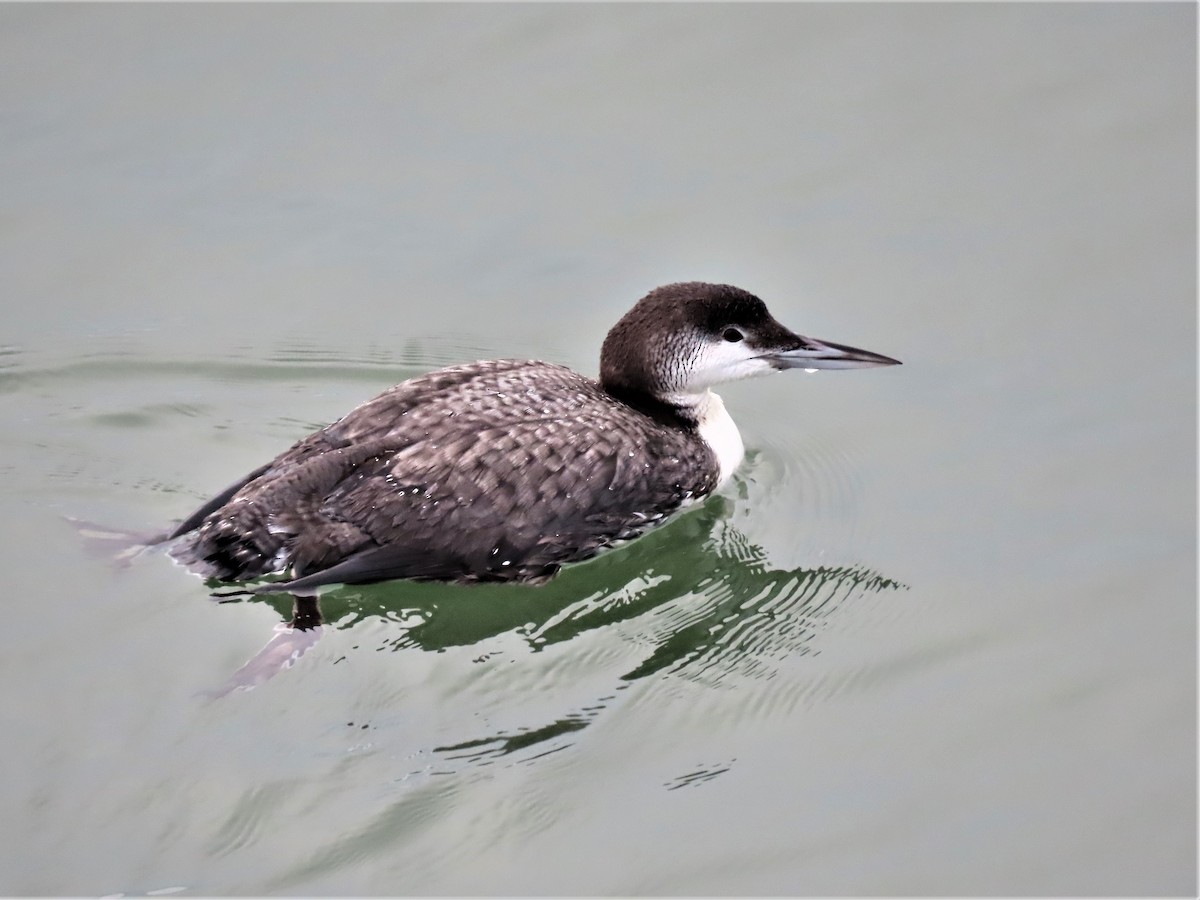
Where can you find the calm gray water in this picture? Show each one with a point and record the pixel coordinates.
(938, 637)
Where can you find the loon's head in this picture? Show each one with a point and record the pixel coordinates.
(682, 339)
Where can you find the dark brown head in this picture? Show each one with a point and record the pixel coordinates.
(684, 338)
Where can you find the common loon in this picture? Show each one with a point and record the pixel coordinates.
(504, 470)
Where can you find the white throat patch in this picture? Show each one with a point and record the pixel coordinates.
(717, 429)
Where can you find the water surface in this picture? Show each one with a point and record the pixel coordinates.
(937, 637)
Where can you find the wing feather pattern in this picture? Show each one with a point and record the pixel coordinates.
(503, 470)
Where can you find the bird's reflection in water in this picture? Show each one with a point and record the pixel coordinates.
(709, 603)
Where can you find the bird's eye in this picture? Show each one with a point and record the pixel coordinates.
(732, 335)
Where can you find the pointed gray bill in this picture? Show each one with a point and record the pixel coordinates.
(814, 354)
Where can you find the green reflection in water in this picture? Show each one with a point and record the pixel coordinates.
(706, 602)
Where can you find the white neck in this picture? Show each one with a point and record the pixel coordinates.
(716, 429)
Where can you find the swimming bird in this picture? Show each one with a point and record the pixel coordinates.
(505, 470)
